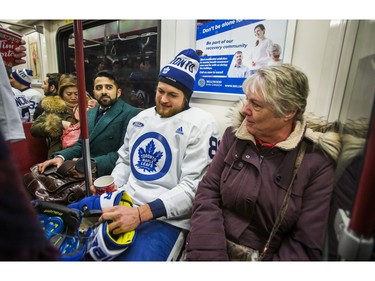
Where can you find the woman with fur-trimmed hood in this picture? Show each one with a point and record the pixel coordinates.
(58, 114)
(238, 200)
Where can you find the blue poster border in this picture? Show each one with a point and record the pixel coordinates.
(212, 82)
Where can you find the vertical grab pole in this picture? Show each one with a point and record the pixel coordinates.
(79, 57)
(356, 236)
(363, 213)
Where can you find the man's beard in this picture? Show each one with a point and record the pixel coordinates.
(171, 111)
(49, 94)
(107, 103)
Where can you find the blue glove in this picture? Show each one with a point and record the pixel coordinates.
(98, 202)
(91, 202)
(104, 245)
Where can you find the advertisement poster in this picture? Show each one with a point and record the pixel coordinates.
(34, 57)
(231, 50)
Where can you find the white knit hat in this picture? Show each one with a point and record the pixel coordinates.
(181, 72)
(23, 76)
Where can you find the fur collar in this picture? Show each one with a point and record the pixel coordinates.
(54, 104)
(323, 134)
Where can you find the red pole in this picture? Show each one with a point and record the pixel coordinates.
(79, 56)
(80, 67)
(362, 220)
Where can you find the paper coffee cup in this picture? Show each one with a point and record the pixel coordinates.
(9, 40)
(104, 184)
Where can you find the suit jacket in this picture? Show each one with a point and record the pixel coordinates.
(105, 137)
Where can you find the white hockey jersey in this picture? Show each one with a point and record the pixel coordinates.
(34, 97)
(165, 158)
(23, 105)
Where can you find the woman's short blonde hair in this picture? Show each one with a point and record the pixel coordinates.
(284, 87)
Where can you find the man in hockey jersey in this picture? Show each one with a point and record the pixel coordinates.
(21, 80)
(23, 105)
(166, 151)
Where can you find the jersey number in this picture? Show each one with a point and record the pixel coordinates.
(213, 145)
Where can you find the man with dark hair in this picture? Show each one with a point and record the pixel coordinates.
(238, 69)
(107, 125)
(50, 87)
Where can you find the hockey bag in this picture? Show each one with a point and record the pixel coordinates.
(76, 231)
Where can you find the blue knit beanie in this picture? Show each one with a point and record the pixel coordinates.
(181, 72)
(23, 76)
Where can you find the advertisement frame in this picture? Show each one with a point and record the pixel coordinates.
(208, 70)
(34, 56)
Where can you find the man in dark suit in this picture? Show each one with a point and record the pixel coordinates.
(107, 124)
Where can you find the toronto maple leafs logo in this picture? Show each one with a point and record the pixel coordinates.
(148, 158)
(166, 70)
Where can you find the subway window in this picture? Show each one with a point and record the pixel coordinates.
(128, 48)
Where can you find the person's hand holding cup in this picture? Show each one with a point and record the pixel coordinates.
(104, 184)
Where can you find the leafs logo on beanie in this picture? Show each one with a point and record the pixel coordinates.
(165, 70)
(181, 71)
(23, 76)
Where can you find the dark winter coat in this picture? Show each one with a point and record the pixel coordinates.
(49, 123)
(241, 194)
(21, 234)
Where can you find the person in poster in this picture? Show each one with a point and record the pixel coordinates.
(219, 40)
(274, 53)
(259, 56)
(237, 68)
(35, 59)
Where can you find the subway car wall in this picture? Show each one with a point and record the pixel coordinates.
(337, 56)
(328, 43)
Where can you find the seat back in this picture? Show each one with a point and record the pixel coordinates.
(178, 249)
(29, 151)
